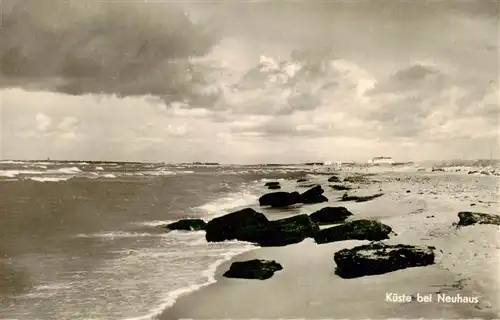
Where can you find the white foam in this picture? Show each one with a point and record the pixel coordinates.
(50, 179)
(14, 173)
(232, 201)
(160, 172)
(99, 168)
(153, 223)
(69, 170)
(119, 234)
(109, 175)
(172, 296)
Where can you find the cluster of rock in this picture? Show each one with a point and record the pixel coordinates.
(284, 199)
(467, 218)
(372, 259)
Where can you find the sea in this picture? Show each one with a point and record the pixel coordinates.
(84, 240)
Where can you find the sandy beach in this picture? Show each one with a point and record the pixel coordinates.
(420, 212)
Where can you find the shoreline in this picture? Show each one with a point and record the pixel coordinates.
(308, 288)
(360, 298)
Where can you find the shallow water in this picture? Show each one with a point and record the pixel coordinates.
(83, 242)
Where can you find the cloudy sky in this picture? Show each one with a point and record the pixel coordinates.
(249, 81)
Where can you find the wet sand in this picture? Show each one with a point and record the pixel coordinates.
(307, 288)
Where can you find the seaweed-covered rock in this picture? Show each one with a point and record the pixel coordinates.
(469, 218)
(313, 195)
(243, 225)
(302, 180)
(310, 185)
(340, 187)
(280, 199)
(272, 183)
(354, 230)
(333, 179)
(347, 197)
(274, 187)
(357, 178)
(187, 224)
(330, 215)
(287, 231)
(377, 258)
(253, 269)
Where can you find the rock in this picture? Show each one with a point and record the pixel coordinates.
(274, 187)
(333, 179)
(273, 183)
(470, 218)
(354, 230)
(187, 224)
(280, 199)
(330, 215)
(243, 225)
(408, 191)
(340, 187)
(356, 179)
(317, 199)
(308, 185)
(287, 231)
(302, 180)
(472, 204)
(313, 195)
(377, 258)
(347, 197)
(432, 216)
(249, 225)
(253, 269)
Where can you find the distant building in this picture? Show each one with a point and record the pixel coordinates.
(381, 160)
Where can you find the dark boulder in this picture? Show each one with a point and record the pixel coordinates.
(317, 199)
(470, 218)
(354, 230)
(302, 180)
(287, 231)
(243, 225)
(280, 199)
(253, 269)
(334, 179)
(330, 215)
(274, 187)
(272, 183)
(347, 197)
(313, 195)
(340, 187)
(377, 258)
(187, 224)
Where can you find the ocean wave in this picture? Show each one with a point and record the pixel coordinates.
(119, 234)
(153, 223)
(109, 175)
(161, 172)
(209, 274)
(14, 173)
(232, 201)
(69, 170)
(50, 179)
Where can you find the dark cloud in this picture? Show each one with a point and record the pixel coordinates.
(78, 47)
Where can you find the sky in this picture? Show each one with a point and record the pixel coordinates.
(249, 81)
